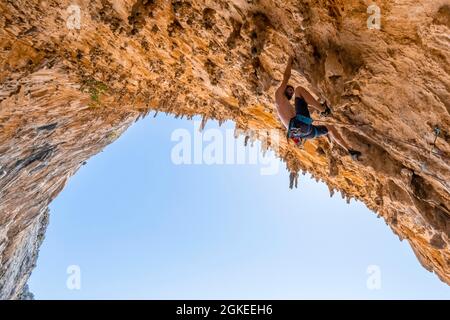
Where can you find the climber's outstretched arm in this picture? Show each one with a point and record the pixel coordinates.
(287, 75)
(282, 96)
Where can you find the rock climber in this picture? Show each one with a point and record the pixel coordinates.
(298, 121)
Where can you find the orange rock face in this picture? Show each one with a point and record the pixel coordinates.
(75, 74)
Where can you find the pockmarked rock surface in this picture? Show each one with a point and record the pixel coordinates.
(75, 74)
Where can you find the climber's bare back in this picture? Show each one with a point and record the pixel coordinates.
(285, 110)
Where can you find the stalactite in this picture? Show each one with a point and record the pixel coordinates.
(238, 132)
(293, 180)
(203, 124)
(264, 146)
(331, 189)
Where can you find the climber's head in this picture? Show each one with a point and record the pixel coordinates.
(289, 92)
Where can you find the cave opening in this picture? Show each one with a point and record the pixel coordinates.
(132, 223)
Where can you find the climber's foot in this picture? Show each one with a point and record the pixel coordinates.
(356, 155)
(327, 111)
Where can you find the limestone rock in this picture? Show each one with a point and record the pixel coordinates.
(75, 74)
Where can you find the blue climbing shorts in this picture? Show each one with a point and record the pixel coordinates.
(301, 125)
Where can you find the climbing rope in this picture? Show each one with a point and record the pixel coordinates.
(437, 131)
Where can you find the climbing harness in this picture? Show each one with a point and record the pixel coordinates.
(304, 119)
(296, 134)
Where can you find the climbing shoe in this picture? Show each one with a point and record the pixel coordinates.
(354, 154)
(327, 111)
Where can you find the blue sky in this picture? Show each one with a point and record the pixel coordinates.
(139, 226)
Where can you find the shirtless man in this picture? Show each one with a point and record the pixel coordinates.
(298, 121)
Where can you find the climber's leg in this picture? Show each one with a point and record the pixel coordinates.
(301, 107)
(310, 100)
(335, 135)
(320, 131)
